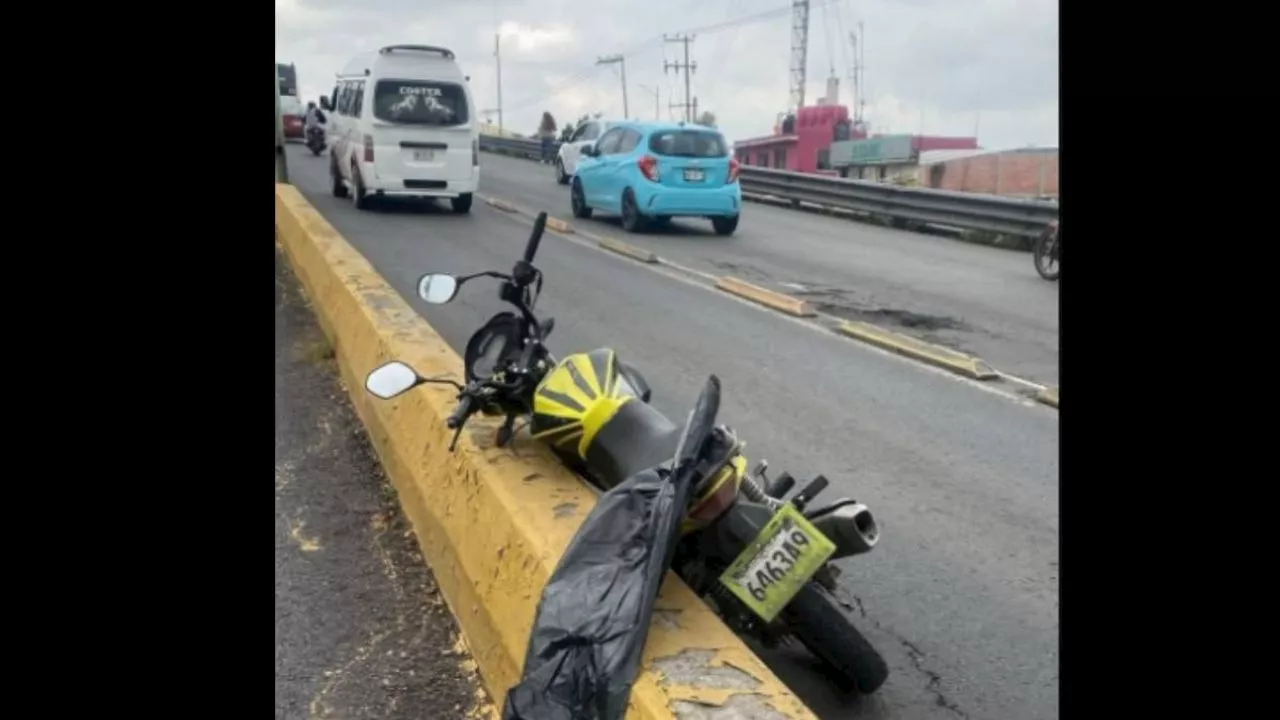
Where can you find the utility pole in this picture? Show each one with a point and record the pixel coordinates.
(610, 60)
(686, 66)
(799, 52)
(497, 55)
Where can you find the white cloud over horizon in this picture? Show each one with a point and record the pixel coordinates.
(942, 67)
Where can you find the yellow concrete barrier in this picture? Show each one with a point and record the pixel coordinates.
(766, 297)
(493, 522)
(626, 249)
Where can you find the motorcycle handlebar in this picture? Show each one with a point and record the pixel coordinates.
(531, 248)
(460, 413)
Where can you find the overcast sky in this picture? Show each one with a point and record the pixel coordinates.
(942, 67)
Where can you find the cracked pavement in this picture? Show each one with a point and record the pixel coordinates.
(361, 629)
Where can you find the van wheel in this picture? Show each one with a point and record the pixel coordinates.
(363, 202)
(561, 177)
(335, 177)
(461, 204)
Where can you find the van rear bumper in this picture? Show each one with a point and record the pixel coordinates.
(418, 187)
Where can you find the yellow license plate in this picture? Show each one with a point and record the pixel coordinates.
(788, 552)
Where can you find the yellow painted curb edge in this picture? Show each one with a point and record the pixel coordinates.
(500, 204)
(559, 225)
(937, 355)
(768, 298)
(493, 522)
(622, 248)
(1048, 396)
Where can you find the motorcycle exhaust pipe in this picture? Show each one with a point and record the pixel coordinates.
(850, 525)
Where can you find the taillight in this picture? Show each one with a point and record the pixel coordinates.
(368, 148)
(734, 167)
(475, 153)
(649, 166)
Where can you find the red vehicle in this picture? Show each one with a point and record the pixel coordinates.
(291, 113)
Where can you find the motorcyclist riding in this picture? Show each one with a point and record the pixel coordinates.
(314, 118)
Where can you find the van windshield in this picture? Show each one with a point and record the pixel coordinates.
(419, 102)
(688, 143)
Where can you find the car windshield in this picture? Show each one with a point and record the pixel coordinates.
(688, 143)
(419, 102)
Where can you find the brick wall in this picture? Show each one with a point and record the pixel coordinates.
(998, 174)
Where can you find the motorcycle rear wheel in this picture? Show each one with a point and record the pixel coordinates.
(1046, 245)
(818, 619)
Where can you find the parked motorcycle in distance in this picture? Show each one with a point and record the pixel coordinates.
(759, 558)
(315, 140)
(1048, 253)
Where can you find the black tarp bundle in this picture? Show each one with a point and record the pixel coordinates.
(593, 619)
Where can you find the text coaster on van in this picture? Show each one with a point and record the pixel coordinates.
(401, 123)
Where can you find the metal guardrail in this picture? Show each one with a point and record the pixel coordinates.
(967, 211)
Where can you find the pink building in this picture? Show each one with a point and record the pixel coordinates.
(802, 142)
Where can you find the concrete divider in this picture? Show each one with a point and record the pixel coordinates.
(493, 522)
(766, 297)
(908, 346)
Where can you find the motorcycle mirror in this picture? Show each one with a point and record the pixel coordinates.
(392, 379)
(547, 326)
(437, 288)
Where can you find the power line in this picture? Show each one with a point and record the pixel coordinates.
(650, 44)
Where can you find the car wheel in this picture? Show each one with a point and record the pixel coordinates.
(725, 225)
(578, 201)
(632, 220)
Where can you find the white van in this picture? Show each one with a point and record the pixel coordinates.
(400, 124)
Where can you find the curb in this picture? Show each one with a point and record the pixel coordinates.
(502, 205)
(559, 225)
(937, 355)
(631, 251)
(1048, 396)
(768, 298)
(491, 524)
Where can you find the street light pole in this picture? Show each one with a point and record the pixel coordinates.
(609, 60)
(497, 54)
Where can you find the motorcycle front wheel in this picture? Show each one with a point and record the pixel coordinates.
(825, 626)
(1049, 266)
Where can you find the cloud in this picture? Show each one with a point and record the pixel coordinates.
(941, 65)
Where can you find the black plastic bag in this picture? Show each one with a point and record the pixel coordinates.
(593, 619)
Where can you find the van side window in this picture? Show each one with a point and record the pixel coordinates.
(344, 97)
(333, 98)
(592, 131)
(358, 102)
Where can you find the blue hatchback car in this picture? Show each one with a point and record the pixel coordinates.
(648, 173)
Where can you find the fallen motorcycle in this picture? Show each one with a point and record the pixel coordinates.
(1048, 253)
(761, 561)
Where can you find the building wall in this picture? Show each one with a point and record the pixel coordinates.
(1023, 174)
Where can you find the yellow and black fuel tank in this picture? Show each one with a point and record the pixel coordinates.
(589, 406)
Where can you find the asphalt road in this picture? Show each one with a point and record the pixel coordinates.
(962, 594)
(982, 300)
(361, 629)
